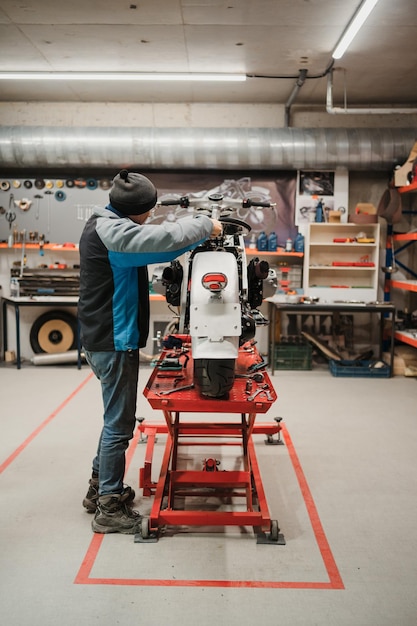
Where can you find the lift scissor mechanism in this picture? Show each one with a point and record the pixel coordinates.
(181, 492)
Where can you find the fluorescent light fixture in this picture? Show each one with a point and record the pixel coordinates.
(121, 76)
(353, 28)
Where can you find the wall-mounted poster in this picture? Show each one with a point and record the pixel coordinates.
(321, 196)
(278, 188)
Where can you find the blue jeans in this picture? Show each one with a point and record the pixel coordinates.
(118, 374)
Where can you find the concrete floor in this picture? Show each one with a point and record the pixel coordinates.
(343, 488)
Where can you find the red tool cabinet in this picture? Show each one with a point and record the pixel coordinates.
(221, 422)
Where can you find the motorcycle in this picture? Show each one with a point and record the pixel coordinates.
(217, 292)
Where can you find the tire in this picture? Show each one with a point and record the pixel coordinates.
(214, 377)
(52, 332)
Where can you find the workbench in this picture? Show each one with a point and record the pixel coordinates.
(381, 308)
(177, 484)
(34, 301)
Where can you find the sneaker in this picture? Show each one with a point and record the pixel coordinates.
(115, 516)
(90, 500)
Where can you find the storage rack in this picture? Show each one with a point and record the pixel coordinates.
(405, 240)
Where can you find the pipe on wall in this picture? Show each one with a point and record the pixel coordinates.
(61, 148)
(298, 84)
(330, 108)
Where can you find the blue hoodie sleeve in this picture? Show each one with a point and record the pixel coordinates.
(133, 245)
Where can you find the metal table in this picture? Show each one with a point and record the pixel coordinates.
(44, 301)
(332, 307)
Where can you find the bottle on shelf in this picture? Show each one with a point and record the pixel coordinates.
(262, 242)
(299, 243)
(14, 288)
(252, 242)
(272, 242)
(288, 245)
(319, 211)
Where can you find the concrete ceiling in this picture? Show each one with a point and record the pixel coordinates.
(274, 39)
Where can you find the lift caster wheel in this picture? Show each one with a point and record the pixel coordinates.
(274, 532)
(145, 535)
(144, 527)
(274, 537)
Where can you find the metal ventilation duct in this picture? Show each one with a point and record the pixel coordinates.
(43, 148)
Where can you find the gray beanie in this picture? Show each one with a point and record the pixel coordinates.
(132, 193)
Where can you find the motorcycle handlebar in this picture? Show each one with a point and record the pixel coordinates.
(184, 201)
(245, 203)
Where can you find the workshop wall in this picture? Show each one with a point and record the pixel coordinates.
(61, 215)
(56, 210)
(62, 219)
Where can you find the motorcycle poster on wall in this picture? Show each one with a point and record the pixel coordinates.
(278, 189)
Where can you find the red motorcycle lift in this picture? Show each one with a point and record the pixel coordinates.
(175, 484)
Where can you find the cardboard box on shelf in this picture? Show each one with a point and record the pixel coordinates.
(365, 207)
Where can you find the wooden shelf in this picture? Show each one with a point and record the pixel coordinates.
(338, 244)
(342, 268)
(280, 252)
(56, 247)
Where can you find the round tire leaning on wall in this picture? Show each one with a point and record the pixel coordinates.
(54, 331)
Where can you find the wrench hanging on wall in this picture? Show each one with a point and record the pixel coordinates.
(49, 193)
(38, 197)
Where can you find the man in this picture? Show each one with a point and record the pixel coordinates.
(115, 248)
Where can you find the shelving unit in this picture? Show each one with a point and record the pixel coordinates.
(338, 265)
(409, 285)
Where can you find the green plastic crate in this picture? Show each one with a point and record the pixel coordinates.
(293, 356)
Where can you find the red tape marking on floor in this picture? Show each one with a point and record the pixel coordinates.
(335, 581)
(323, 544)
(37, 430)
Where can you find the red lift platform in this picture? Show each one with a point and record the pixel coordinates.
(173, 392)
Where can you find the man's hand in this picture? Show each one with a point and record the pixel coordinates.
(217, 229)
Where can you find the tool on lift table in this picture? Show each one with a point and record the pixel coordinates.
(176, 484)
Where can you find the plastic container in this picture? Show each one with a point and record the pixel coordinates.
(262, 242)
(319, 211)
(355, 369)
(14, 288)
(288, 245)
(293, 356)
(299, 243)
(272, 242)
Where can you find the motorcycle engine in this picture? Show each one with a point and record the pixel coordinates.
(257, 272)
(167, 281)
